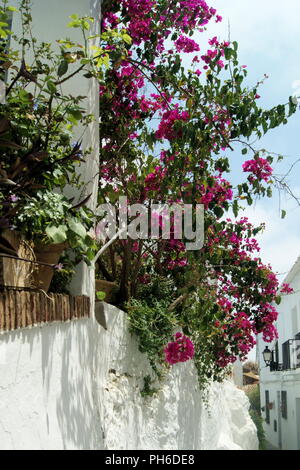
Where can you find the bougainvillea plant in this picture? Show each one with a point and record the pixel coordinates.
(180, 350)
(172, 111)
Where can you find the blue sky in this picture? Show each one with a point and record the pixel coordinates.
(268, 35)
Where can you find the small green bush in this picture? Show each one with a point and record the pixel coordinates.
(258, 421)
(254, 398)
(255, 413)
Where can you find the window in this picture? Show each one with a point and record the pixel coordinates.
(295, 351)
(284, 404)
(286, 363)
(276, 352)
(267, 399)
(275, 359)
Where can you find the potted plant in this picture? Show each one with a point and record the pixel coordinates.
(53, 224)
(38, 154)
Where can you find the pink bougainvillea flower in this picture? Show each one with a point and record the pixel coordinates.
(259, 167)
(59, 266)
(180, 350)
(185, 44)
(286, 289)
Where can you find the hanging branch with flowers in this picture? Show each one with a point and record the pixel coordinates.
(172, 112)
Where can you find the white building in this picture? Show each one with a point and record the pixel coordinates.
(280, 381)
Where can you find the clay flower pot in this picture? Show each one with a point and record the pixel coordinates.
(49, 254)
(16, 272)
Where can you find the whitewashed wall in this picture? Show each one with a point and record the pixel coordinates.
(287, 435)
(77, 386)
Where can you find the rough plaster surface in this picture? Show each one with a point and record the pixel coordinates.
(77, 386)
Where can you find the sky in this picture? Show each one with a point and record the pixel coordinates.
(268, 35)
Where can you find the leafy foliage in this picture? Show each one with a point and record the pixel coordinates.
(39, 156)
(255, 413)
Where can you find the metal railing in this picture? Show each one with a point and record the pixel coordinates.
(290, 356)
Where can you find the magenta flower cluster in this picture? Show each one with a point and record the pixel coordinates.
(259, 167)
(237, 338)
(166, 129)
(219, 192)
(286, 289)
(185, 44)
(140, 26)
(180, 350)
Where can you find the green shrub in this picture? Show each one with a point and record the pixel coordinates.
(258, 421)
(254, 398)
(255, 413)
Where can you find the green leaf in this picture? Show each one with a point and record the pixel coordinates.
(63, 68)
(57, 234)
(77, 227)
(283, 214)
(75, 113)
(227, 52)
(100, 295)
(218, 211)
(23, 95)
(264, 126)
(3, 33)
(51, 86)
(127, 38)
(278, 299)
(244, 151)
(235, 208)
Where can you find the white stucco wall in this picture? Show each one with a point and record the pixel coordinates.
(237, 373)
(287, 435)
(77, 386)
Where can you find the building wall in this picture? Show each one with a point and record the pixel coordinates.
(288, 325)
(78, 386)
(289, 382)
(50, 20)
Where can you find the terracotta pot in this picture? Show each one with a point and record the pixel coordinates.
(16, 272)
(105, 286)
(49, 254)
